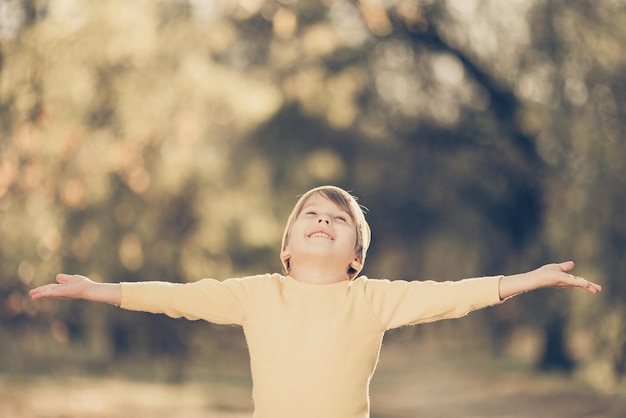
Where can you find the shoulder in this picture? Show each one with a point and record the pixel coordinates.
(385, 289)
(365, 282)
(368, 286)
(259, 280)
(259, 283)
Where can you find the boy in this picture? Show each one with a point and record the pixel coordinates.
(314, 334)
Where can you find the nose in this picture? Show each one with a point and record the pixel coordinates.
(323, 219)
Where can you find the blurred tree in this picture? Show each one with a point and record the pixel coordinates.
(168, 140)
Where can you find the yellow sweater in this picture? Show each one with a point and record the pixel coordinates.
(313, 348)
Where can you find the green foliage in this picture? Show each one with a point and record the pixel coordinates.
(169, 140)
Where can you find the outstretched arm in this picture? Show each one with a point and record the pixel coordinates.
(550, 275)
(70, 286)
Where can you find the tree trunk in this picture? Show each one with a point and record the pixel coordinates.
(555, 355)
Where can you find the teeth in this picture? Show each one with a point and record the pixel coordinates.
(320, 235)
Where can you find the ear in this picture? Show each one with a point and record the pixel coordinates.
(357, 262)
(285, 257)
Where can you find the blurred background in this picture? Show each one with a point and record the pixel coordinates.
(169, 140)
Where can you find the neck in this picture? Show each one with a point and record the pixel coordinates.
(317, 273)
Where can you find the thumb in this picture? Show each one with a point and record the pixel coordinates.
(63, 278)
(566, 265)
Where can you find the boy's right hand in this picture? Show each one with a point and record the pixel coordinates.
(69, 286)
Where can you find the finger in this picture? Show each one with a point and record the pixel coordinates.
(63, 278)
(594, 288)
(566, 265)
(587, 285)
(42, 291)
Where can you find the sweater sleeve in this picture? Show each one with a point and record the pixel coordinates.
(399, 302)
(220, 302)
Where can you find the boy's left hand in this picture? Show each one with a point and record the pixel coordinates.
(551, 275)
(556, 275)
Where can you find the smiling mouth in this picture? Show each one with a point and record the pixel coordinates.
(320, 234)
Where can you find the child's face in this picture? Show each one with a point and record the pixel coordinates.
(323, 229)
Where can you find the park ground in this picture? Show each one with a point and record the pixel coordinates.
(412, 380)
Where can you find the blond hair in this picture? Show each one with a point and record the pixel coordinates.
(346, 202)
